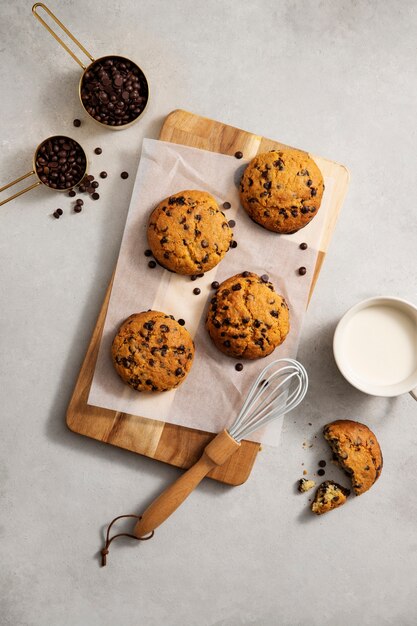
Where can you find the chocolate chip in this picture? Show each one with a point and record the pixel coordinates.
(79, 201)
(124, 175)
(236, 287)
(193, 277)
(232, 223)
(227, 205)
(196, 291)
(226, 343)
(204, 243)
(164, 328)
(239, 367)
(215, 284)
(265, 278)
(302, 271)
(233, 244)
(95, 184)
(322, 463)
(274, 313)
(77, 123)
(98, 150)
(81, 188)
(313, 192)
(181, 322)
(59, 211)
(114, 91)
(72, 193)
(95, 196)
(303, 246)
(238, 154)
(152, 264)
(90, 177)
(178, 371)
(321, 472)
(309, 182)
(148, 253)
(60, 163)
(103, 174)
(78, 208)
(56, 215)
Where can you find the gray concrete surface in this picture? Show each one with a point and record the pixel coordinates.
(334, 77)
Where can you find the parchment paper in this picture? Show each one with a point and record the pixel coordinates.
(213, 392)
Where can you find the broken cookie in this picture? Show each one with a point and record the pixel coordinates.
(329, 496)
(305, 485)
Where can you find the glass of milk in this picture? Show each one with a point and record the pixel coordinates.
(375, 346)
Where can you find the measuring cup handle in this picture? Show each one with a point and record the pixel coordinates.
(19, 193)
(65, 29)
(413, 393)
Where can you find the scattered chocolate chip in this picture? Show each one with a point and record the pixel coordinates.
(227, 205)
(238, 154)
(77, 123)
(124, 175)
(196, 291)
(94, 184)
(98, 150)
(239, 367)
(148, 253)
(321, 472)
(232, 223)
(265, 278)
(152, 264)
(215, 284)
(90, 177)
(79, 201)
(81, 188)
(95, 196)
(194, 277)
(103, 174)
(181, 322)
(322, 463)
(56, 215)
(302, 271)
(59, 211)
(233, 244)
(200, 275)
(72, 193)
(78, 208)
(303, 246)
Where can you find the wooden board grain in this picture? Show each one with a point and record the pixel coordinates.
(169, 443)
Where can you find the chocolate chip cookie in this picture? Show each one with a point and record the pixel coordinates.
(357, 451)
(282, 190)
(152, 352)
(329, 496)
(188, 233)
(247, 318)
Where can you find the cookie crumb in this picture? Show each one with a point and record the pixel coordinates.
(305, 485)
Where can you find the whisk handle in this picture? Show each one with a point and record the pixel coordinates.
(215, 453)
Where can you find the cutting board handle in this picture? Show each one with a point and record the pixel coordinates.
(217, 452)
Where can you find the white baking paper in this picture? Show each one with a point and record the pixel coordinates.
(213, 392)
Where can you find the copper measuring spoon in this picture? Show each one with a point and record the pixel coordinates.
(92, 66)
(38, 169)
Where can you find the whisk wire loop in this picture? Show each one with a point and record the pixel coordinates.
(274, 392)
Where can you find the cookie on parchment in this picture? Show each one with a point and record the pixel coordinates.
(152, 352)
(246, 317)
(282, 190)
(188, 233)
(357, 451)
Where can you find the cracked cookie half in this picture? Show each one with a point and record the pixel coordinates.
(152, 352)
(329, 496)
(282, 190)
(188, 233)
(357, 451)
(247, 318)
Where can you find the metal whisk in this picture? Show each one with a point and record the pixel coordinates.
(279, 388)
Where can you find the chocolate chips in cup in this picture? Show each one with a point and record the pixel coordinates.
(60, 162)
(114, 91)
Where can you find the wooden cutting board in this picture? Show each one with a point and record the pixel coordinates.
(169, 443)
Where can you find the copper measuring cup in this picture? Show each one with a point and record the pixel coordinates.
(92, 65)
(37, 170)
